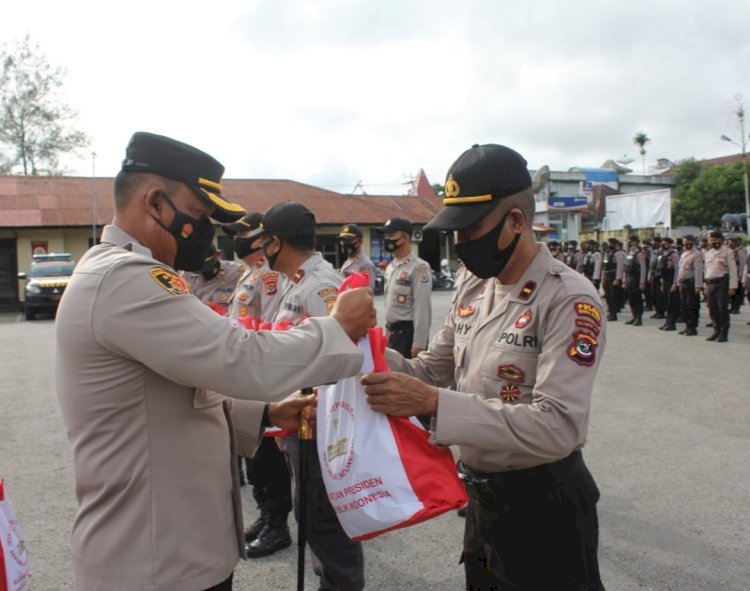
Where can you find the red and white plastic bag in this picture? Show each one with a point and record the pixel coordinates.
(381, 472)
(14, 558)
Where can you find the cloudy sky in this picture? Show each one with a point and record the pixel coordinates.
(333, 92)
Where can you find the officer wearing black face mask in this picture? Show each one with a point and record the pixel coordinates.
(216, 282)
(350, 245)
(521, 344)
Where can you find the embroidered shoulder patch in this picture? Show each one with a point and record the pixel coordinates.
(527, 290)
(524, 319)
(172, 283)
(583, 348)
(590, 310)
(588, 325)
(270, 282)
(511, 373)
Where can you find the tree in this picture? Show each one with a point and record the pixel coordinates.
(704, 193)
(35, 122)
(641, 139)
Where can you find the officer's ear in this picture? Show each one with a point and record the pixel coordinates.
(517, 220)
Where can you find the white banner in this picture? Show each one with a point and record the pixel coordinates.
(639, 210)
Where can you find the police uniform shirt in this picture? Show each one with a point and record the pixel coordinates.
(635, 257)
(153, 450)
(219, 288)
(720, 262)
(310, 292)
(597, 257)
(359, 264)
(408, 287)
(740, 257)
(524, 367)
(258, 293)
(691, 267)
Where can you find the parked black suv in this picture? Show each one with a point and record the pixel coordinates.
(46, 281)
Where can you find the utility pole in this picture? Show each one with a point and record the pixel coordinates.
(742, 145)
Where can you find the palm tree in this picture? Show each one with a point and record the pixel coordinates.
(641, 139)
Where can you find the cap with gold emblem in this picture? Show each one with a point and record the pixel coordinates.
(350, 231)
(476, 182)
(158, 154)
(248, 223)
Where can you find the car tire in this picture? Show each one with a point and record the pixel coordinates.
(30, 314)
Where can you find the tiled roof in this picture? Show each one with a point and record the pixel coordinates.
(27, 201)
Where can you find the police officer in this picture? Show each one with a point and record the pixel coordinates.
(591, 266)
(554, 248)
(689, 283)
(311, 290)
(635, 268)
(573, 256)
(522, 342)
(350, 245)
(721, 277)
(740, 259)
(257, 297)
(654, 278)
(648, 294)
(139, 362)
(667, 264)
(215, 282)
(408, 286)
(612, 270)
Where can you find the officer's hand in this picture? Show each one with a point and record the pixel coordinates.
(673, 288)
(616, 282)
(698, 291)
(416, 351)
(643, 287)
(355, 312)
(732, 291)
(286, 414)
(398, 394)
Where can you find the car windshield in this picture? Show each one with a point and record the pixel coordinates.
(52, 269)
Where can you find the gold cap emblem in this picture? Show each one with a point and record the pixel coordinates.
(451, 187)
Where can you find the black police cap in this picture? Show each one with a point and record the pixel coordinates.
(476, 182)
(397, 225)
(158, 154)
(248, 223)
(350, 231)
(284, 219)
(716, 234)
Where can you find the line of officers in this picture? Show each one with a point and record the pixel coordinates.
(284, 288)
(666, 276)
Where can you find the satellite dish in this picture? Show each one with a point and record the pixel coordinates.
(625, 160)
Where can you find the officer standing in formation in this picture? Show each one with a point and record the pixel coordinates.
(311, 290)
(613, 262)
(721, 277)
(554, 248)
(573, 256)
(591, 267)
(350, 245)
(740, 258)
(257, 296)
(215, 282)
(408, 286)
(648, 294)
(654, 279)
(667, 264)
(689, 284)
(635, 269)
(522, 344)
(139, 362)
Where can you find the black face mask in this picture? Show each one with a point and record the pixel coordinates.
(244, 247)
(716, 245)
(193, 237)
(347, 248)
(211, 268)
(483, 257)
(391, 244)
(271, 258)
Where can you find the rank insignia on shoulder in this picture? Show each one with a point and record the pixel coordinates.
(510, 373)
(527, 290)
(510, 392)
(588, 325)
(524, 319)
(172, 283)
(583, 348)
(297, 277)
(589, 310)
(464, 311)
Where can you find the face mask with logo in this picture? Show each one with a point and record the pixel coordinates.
(483, 257)
(348, 248)
(244, 247)
(271, 258)
(193, 237)
(391, 244)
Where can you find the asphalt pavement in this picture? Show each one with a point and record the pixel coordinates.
(669, 446)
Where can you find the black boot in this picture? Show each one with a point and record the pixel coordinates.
(638, 320)
(714, 336)
(272, 538)
(612, 317)
(723, 336)
(254, 530)
(631, 321)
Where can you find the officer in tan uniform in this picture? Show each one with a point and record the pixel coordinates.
(350, 245)
(311, 290)
(689, 284)
(720, 285)
(740, 259)
(408, 287)
(215, 283)
(257, 297)
(138, 363)
(523, 342)
(635, 269)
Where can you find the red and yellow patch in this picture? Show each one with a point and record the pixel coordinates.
(510, 393)
(527, 290)
(583, 348)
(186, 230)
(588, 325)
(590, 310)
(297, 277)
(510, 373)
(329, 295)
(524, 319)
(464, 311)
(270, 283)
(172, 283)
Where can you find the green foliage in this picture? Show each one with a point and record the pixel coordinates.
(438, 188)
(704, 193)
(35, 123)
(641, 139)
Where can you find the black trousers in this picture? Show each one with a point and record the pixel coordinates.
(671, 299)
(223, 586)
(269, 476)
(537, 532)
(401, 336)
(657, 295)
(717, 299)
(689, 303)
(738, 297)
(609, 291)
(635, 296)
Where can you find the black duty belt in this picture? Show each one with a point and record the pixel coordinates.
(490, 487)
(715, 280)
(399, 325)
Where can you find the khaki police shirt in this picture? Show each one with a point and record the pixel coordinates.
(258, 293)
(219, 288)
(408, 287)
(720, 262)
(137, 359)
(359, 264)
(523, 361)
(740, 257)
(690, 267)
(310, 292)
